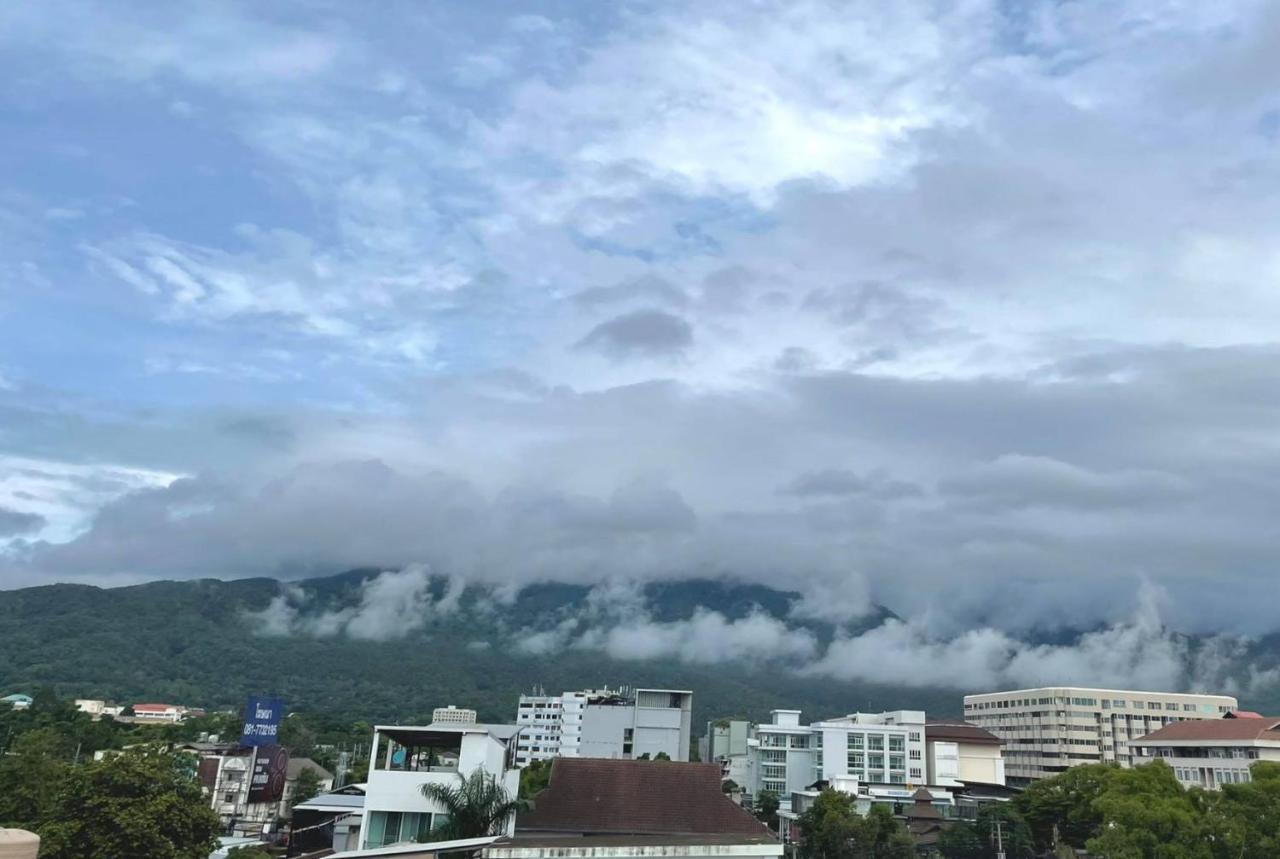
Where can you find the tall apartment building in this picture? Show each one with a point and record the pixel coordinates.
(1047, 730)
(605, 723)
(871, 748)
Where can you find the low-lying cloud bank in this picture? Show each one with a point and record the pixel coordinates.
(615, 619)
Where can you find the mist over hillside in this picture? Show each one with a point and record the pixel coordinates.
(388, 645)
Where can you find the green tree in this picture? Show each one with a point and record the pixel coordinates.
(30, 776)
(305, 787)
(248, 852)
(831, 828)
(961, 840)
(138, 804)
(1246, 817)
(1064, 805)
(1146, 814)
(880, 836)
(662, 756)
(534, 779)
(766, 809)
(729, 786)
(477, 806)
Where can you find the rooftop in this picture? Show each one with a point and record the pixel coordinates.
(620, 797)
(959, 732)
(1091, 689)
(1211, 730)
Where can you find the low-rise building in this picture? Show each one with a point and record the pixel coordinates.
(97, 708)
(618, 809)
(405, 757)
(605, 723)
(330, 821)
(159, 712)
(1049, 729)
(958, 754)
(1211, 753)
(17, 701)
(225, 770)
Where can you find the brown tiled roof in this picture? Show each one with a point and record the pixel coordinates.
(1242, 714)
(959, 732)
(616, 797)
(1215, 729)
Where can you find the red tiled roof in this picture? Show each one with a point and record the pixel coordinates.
(1267, 728)
(1242, 714)
(155, 707)
(589, 795)
(960, 732)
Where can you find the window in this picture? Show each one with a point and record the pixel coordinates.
(897, 762)
(857, 761)
(914, 754)
(915, 774)
(914, 736)
(896, 744)
(875, 742)
(856, 742)
(875, 762)
(231, 797)
(897, 778)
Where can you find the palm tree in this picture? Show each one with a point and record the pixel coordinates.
(477, 807)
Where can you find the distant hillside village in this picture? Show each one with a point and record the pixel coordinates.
(618, 772)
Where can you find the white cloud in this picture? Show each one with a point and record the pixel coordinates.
(391, 605)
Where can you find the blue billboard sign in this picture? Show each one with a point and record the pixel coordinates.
(262, 722)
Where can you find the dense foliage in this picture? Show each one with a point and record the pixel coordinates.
(1144, 813)
(195, 643)
(143, 802)
(832, 829)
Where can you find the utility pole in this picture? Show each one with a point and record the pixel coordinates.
(999, 840)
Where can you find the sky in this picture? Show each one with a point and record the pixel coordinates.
(967, 309)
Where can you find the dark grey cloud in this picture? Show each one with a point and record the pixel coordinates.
(648, 289)
(15, 522)
(640, 334)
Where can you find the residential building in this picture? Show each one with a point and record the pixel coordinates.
(96, 708)
(861, 748)
(159, 713)
(958, 754)
(224, 771)
(17, 701)
(1049, 729)
(330, 821)
(1211, 753)
(605, 723)
(403, 758)
(610, 809)
(727, 742)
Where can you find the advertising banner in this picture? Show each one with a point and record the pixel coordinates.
(262, 722)
(270, 770)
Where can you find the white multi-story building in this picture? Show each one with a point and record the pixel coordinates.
(404, 758)
(605, 723)
(1047, 730)
(1211, 753)
(861, 748)
(452, 715)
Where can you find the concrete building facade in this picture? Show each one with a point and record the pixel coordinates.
(1209, 754)
(958, 754)
(605, 723)
(861, 748)
(1050, 729)
(404, 758)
